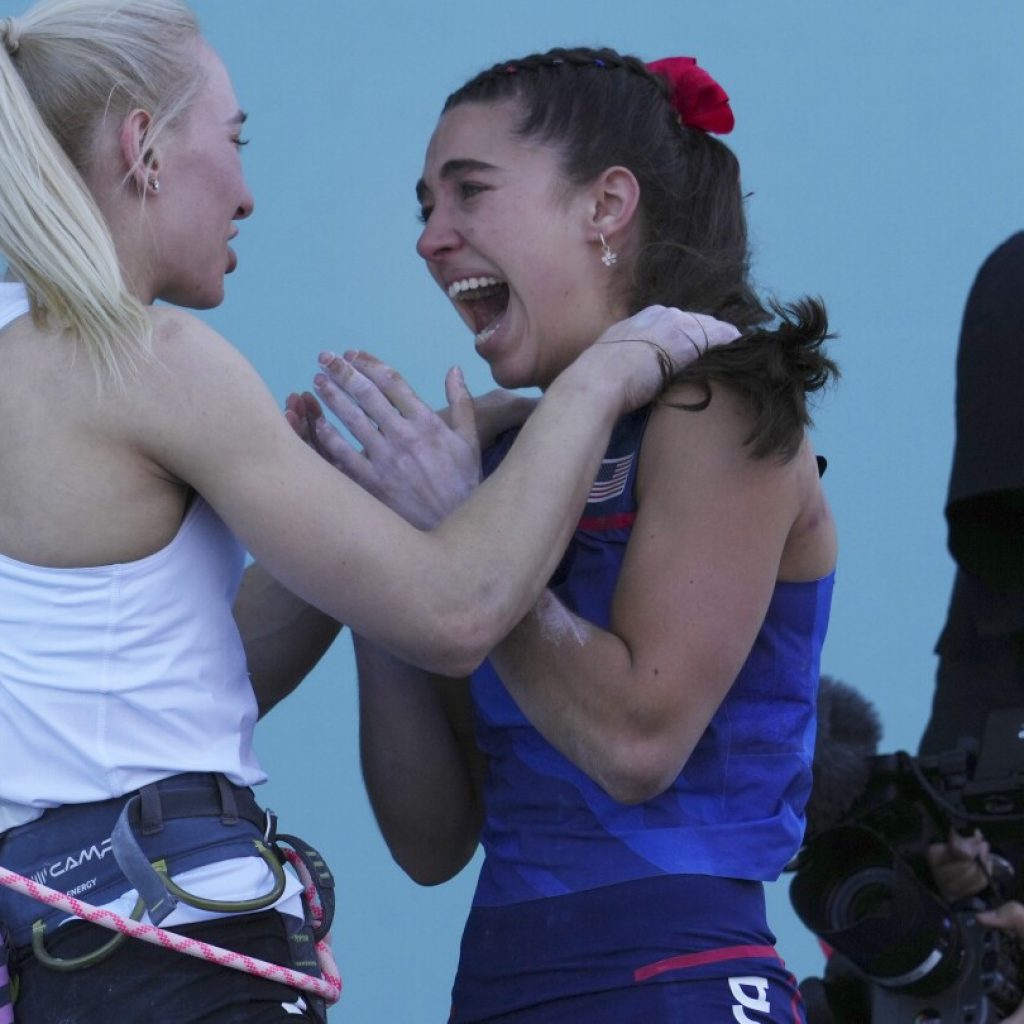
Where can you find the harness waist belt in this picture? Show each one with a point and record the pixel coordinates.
(186, 821)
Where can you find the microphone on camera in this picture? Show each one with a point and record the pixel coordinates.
(849, 731)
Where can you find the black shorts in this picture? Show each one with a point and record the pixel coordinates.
(144, 984)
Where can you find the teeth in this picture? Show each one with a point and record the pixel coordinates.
(487, 332)
(459, 289)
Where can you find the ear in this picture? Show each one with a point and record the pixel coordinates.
(140, 160)
(615, 195)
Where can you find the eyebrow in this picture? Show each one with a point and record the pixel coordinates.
(453, 167)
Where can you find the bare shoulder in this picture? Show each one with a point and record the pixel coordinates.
(697, 462)
(195, 395)
(812, 545)
(704, 432)
(181, 339)
(191, 361)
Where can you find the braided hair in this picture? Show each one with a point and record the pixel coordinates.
(599, 108)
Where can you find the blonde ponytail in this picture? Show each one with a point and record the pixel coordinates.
(71, 63)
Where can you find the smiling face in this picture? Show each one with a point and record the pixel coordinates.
(202, 193)
(512, 244)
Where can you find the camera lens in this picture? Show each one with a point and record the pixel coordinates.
(854, 891)
(865, 894)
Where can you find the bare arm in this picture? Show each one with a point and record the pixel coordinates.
(422, 770)
(440, 599)
(284, 637)
(628, 704)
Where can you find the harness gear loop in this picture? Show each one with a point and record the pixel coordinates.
(56, 963)
(229, 906)
(315, 873)
(151, 879)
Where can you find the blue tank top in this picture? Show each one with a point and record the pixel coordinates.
(736, 809)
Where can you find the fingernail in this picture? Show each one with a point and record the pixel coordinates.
(319, 381)
(351, 354)
(326, 358)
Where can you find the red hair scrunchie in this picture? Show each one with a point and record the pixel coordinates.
(700, 101)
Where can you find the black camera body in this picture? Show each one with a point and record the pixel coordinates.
(863, 885)
(984, 988)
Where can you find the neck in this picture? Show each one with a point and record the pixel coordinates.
(590, 334)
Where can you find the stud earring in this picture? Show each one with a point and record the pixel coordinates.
(608, 257)
(154, 184)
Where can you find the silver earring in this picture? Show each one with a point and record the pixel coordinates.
(608, 257)
(154, 184)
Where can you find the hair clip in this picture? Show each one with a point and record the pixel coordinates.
(699, 100)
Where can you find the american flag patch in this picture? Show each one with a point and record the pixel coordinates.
(611, 479)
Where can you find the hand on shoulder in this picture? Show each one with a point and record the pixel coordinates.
(649, 347)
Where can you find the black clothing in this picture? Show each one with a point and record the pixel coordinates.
(981, 649)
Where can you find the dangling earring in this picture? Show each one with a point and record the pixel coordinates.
(608, 257)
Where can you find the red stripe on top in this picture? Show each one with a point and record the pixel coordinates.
(618, 521)
(795, 1003)
(708, 956)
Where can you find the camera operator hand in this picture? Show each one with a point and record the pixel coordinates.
(962, 866)
(1008, 918)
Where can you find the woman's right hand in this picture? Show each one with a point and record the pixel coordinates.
(645, 350)
(406, 455)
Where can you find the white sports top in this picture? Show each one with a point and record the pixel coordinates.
(115, 676)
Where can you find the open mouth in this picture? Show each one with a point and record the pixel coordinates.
(485, 299)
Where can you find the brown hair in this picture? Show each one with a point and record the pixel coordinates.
(599, 108)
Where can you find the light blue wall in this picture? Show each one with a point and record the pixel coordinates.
(883, 147)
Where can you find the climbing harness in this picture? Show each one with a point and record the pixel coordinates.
(165, 828)
(327, 988)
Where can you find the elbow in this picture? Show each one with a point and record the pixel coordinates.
(461, 660)
(463, 620)
(642, 772)
(435, 863)
(461, 639)
(632, 789)
(428, 875)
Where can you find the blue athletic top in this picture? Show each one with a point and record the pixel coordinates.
(736, 809)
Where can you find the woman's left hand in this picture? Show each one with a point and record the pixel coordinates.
(410, 459)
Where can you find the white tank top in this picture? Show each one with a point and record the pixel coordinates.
(115, 676)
